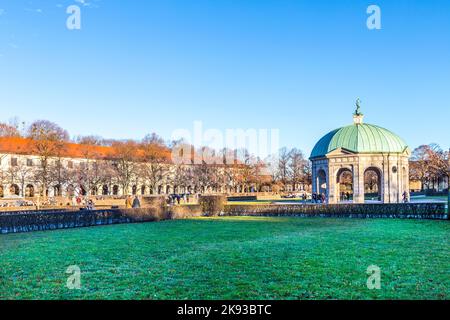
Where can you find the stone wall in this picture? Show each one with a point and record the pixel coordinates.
(403, 211)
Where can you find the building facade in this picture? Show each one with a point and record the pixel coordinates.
(19, 177)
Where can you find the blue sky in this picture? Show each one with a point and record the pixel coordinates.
(155, 66)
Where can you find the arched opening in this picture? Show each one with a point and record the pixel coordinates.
(321, 182)
(134, 190)
(83, 191)
(29, 191)
(105, 190)
(57, 190)
(70, 191)
(160, 189)
(115, 190)
(344, 185)
(2, 194)
(372, 185)
(14, 190)
(142, 190)
(94, 191)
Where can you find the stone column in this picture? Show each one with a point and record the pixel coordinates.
(6, 190)
(386, 179)
(331, 185)
(395, 183)
(314, 178)
(358, 183)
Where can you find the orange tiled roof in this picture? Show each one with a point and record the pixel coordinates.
(24, 146)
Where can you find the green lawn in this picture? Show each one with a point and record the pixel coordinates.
(232, 258)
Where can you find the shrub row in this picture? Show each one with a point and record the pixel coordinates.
(408, 210)
(44, 220)
(184, 211)
(212, 205)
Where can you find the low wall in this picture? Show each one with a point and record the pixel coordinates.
(404, 211)
(52, 220)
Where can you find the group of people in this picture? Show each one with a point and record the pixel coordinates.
(345, 196)
(83, 202)
(177, 198)
(319, 198)
(135, 203)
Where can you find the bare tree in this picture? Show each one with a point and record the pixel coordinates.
(155, 156)
(60, 175)
(20, 174)
(125, 162)
(181, 176)
(89, 140)
(283, 166)
(47, 141)
(7, 130)
(298, 168)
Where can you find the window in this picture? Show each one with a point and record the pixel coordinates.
(70, 164)
(14, 162)
(29, 162)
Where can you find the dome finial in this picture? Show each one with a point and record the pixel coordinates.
(358, 107)
(358, 116)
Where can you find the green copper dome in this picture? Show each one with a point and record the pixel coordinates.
(360, 138)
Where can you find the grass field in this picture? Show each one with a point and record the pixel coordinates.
(232, 258)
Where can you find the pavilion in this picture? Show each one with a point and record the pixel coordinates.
(360, 163)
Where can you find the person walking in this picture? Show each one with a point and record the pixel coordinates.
(405, 197)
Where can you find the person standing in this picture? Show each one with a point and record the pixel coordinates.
(136, 203)
(128, 203)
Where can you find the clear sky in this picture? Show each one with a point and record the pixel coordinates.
(137, 67)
